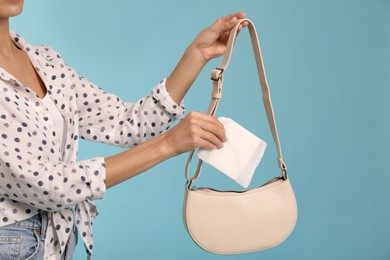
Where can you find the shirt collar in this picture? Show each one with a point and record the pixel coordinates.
(32, 51)
(28, 48)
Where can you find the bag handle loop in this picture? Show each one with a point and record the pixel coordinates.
(217, 78)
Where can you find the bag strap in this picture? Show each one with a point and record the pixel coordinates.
(217, 78)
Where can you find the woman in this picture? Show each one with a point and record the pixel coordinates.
(46, 195)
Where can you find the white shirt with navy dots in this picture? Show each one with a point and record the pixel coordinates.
(39, 170)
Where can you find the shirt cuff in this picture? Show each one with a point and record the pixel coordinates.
(162, 97)
(96, 171)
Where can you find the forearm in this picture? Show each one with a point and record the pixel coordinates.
(185, 73)
(125, 165)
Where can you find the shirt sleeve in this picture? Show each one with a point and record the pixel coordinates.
(104, 117)
(28, 174)
(28, 171)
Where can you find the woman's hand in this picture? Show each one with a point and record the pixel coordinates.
(211, 42)
(208, 44)
(194, 131)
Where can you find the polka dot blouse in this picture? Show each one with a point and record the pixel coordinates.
(37, 172)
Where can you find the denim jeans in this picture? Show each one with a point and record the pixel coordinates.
(26, 240)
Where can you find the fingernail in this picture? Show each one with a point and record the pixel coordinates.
(224, 139)
(233, 19)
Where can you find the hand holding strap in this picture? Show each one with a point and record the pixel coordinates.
(217, 78)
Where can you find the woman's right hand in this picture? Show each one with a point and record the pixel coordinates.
(196, 130)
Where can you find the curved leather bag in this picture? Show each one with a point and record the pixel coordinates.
(237, 222)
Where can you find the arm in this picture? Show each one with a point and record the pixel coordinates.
(35, 175)
(209, 44)
(126, 124)
(197, 129)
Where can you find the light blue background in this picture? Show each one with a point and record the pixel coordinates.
(328, 65)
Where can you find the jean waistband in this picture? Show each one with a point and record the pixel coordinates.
(38, 221)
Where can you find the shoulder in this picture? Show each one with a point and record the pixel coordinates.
(49, 52)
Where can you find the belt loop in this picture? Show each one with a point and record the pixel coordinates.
(44, 224)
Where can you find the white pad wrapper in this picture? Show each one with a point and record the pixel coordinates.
(239, 156)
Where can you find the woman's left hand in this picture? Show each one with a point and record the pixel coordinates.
(208, 44)
(211, 42)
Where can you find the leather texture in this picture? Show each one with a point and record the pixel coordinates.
(237, 222)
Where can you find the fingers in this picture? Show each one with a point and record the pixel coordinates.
(209, 141)
(208, 124)
(213, 134)
(196, 130)
(242, 25)
(207, 131)
(232, 18)
(227, 23)
(206, 118)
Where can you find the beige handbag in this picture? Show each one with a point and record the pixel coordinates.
(238, 222)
